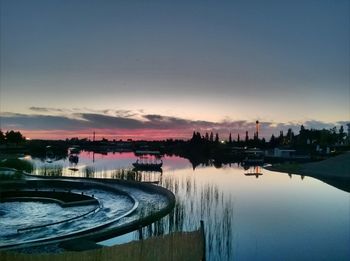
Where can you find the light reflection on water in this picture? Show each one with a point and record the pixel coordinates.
(274, 216)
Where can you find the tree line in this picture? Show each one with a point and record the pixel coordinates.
(305, 138)
(11, 137)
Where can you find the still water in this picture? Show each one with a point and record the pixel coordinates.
(273, 216)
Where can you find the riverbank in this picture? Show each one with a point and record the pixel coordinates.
(337, 168)
(334, 171)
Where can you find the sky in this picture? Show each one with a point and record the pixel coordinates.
(157, 69)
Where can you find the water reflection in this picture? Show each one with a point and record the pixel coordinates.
(245, 216)
(89, 172)
(50, 170)
(207, 203)
(253, 171)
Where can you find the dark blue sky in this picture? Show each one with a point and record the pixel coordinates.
(279, 61)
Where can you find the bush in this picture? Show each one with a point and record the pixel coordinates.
(18, 164)
(16, 175)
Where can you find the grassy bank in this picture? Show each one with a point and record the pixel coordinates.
(14, 163)
(294, 168)
(334, 171)
(334, 168)
(17, 164)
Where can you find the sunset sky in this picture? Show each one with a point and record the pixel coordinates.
(157, 69)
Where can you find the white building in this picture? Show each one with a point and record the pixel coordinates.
(280, 153)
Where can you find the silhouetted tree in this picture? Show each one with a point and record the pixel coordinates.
(230, 139)
(206, 136)
(281, 138)
(211, 138)
(302, 137)
(14, 137)
(193, 135)
(216, 138)
(246, 136)
(196, 138)
(2, 137)
(238, 138)
(290, 136)
(341, 134)
(273, 141)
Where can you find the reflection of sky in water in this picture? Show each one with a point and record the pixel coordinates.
(99, 162)
(274, 216)
(102, 165)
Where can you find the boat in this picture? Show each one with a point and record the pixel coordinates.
(255, 171)
(141, 153)
(148, 165)
(148, 161)
(256, 174)
(75, 149)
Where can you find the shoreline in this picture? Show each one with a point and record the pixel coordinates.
(334, 171)
(337, 167)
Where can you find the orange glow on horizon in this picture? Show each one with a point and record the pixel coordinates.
(134, 134)
(143, 134)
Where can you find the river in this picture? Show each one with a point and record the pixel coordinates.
(270, 216)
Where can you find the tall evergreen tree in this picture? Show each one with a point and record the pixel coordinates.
(273, 141)
(216, 138)
(290, 136)
(194, 135)
(211, 138)
(2, 137)
(281, 138)
(341, 134)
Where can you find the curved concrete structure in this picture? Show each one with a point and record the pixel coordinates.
(150, 203)
(64, 199)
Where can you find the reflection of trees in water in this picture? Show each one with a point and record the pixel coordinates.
(89, 172)
(125, 174)
(195, 202)
(141, 176)
(50, 170)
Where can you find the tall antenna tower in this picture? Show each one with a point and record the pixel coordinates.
(257, 129)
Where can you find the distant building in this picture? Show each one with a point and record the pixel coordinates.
(283, 153)
(286, 154)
